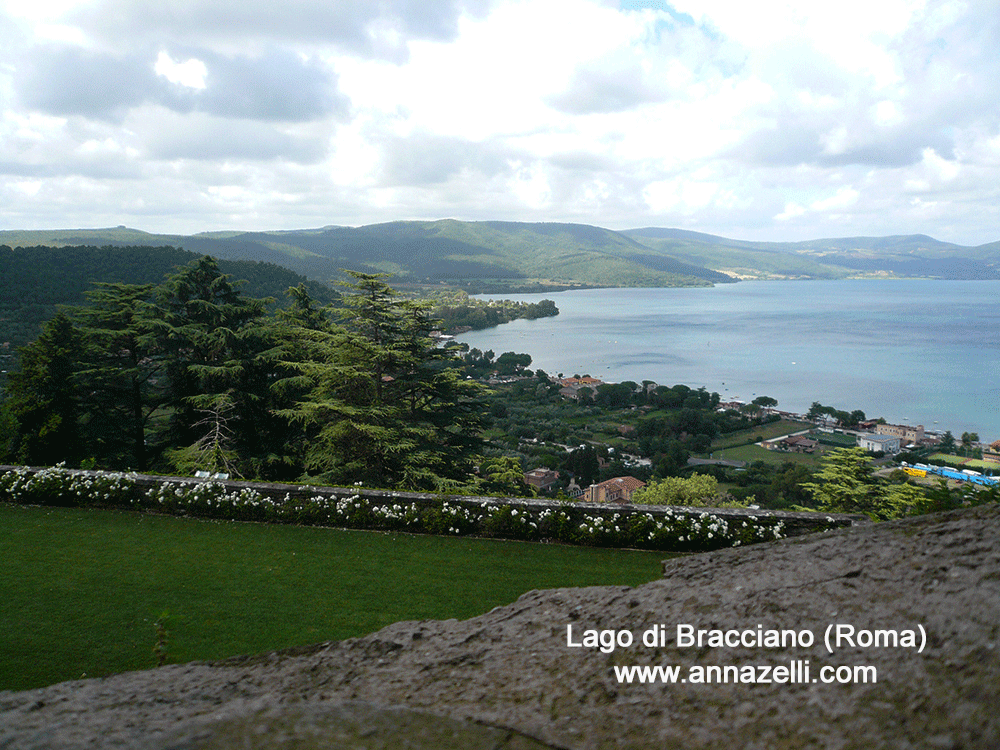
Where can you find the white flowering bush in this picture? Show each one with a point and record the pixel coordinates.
(556, 524)
(612, 526)
(398, 516)
(59, 486)
(451, 518)
(686, 531)
(211, 500)
(511, 522)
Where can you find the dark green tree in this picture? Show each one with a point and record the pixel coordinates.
(968, 439)
(672, 460)
(385, 407)
(816, 410)
(301, 332)
(614, 395)
(43, 397)
(212, 452)
(786, 488)
(583, 465)
(846, 484)
(947, 442)
(215, 343)
(120, 373)
(765, 402)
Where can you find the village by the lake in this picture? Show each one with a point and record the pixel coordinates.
(924, 455)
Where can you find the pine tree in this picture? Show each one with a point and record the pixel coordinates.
(214, 343)
(386, 408)
(43, 397)
(847, 484)
(301, 332)
(120, 374)
(212, 452)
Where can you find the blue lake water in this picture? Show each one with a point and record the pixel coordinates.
(917, 351)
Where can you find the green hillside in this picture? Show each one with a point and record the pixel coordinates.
(497, 256)
(470, 254)
(904, 256)
(736, 258)
(474, 255)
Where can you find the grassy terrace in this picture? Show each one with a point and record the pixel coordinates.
(965, 462)
(83, 589)
(750, 453)
(761, 432)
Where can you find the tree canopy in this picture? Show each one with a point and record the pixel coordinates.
(847, 484)
(191, 374)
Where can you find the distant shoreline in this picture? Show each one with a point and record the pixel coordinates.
(920, 348)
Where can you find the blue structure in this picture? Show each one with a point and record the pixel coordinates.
(961, 476)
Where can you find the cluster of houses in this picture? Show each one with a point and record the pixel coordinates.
(877, 438)
(874, 437)
(617, 490)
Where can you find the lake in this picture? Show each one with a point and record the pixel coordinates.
(919, 351)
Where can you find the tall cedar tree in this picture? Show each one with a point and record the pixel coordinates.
(302, 332)
(43, 397)
(385, 407)
(218, 351)
(122, 373)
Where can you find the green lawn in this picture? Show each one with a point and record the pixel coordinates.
(750, 453)
(835, 439)
(765, 431)
(82, 589)
(968, 463)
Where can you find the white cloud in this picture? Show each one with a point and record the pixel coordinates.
(844, 197)
(774, 120)
(190, 73)
(29, 188)
(40, 11)
(887, 113)
(530, 186)
(792, 210)
(944, 169)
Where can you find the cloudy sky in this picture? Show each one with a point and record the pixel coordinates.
(777, 119)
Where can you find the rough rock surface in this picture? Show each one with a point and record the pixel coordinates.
(507, 679)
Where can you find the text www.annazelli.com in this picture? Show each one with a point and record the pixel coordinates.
(795, 672)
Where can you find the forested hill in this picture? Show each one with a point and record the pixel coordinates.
(902, 256)
(498, 256)
(478, 256)
(34, 280)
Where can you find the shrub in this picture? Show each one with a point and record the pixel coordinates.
(674, 530)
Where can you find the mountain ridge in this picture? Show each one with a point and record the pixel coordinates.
(524, 256)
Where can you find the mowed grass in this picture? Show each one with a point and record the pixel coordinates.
(81, 590)
(969, 463)
(750, 453)
(765, 431)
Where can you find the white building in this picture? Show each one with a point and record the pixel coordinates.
(874, 443)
